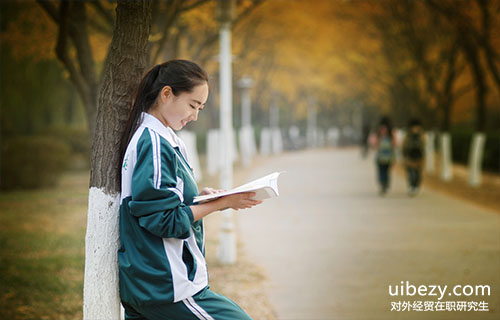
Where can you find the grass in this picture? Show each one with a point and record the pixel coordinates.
(42, 258)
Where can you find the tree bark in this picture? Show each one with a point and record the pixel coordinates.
(471, 42)
(485, 40)
(122, 73)
(472, 55)
(447, 98)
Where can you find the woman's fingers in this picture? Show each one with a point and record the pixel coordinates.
(249, 203)
(208, 190)
(248, 195)
(242, 200)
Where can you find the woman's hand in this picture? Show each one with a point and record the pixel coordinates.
(240, 201)
(206, 191)
(235, 201)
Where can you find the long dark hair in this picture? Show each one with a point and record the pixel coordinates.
(385, 122)
(180, 75)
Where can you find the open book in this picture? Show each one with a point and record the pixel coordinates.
(265, 187)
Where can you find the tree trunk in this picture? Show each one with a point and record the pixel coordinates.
(481, 88)
(446, 157)
(447, 98)
(485, 41)
(122, 72)
(476, 153)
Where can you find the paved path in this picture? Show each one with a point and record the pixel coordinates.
(331, 246)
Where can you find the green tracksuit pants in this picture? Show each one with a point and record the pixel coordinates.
(205, 305)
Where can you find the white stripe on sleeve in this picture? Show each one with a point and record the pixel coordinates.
(155, 142)
(179, 189)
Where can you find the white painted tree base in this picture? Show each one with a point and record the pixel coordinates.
(276, 141)
(430, 162)
(213, 152)
(476, 159)
(312, 137)
(101, 299)
(227, 251)
(247, 145)
(333, 136)
(446, 161)
(265, 141)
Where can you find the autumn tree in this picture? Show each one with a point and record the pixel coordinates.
(83, 33)
(423, 58)
(473, 23)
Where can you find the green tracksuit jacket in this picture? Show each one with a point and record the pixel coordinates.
(161, 256)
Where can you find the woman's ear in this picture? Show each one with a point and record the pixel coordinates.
(165, 93)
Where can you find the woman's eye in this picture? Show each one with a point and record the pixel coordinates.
(192, 106)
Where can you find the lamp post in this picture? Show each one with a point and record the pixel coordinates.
(274, 121)
(274, 116)
(312, 123)
(227, 247)
(247, 140)
(245, 84)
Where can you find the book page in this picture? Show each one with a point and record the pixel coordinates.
(265, 187)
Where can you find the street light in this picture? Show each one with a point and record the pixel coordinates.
(247, 139)
(227, 247)
(245, 84)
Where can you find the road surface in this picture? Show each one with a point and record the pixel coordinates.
(331, 246)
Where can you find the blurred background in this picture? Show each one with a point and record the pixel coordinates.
(319, 73)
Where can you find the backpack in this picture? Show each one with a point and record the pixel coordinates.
(385, 153)
(414, 147)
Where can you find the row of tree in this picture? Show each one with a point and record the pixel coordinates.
(433, 59)
(441, 54)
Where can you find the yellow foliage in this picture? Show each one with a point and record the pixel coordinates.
(32, 34)
(200, 19)
(307, 50)
(294, 50)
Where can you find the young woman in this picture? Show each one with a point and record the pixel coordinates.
(162, 268)
(385, 154)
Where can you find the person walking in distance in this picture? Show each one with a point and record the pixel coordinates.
(413, 153)
(162, 268)
(384, 158)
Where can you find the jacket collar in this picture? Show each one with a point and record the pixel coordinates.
(150, 121)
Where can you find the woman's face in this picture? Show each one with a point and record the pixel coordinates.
(383, 130)
(177, 111)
